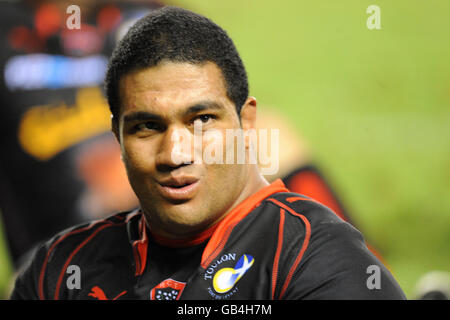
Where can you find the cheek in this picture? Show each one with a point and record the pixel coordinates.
(224, 156)
(138, 157)
(213, 147)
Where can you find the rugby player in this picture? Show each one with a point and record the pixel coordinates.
(203, 230)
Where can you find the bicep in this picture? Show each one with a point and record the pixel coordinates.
(338, 265)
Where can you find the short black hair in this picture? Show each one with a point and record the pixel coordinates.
(178, 35)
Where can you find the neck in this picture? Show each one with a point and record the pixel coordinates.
(255, 182)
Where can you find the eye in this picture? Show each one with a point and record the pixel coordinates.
(204, 118)
(149, 125)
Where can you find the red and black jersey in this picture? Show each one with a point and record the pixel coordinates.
(274, 245)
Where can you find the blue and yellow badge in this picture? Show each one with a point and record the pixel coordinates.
(225, 279)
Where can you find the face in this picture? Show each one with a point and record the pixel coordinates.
(178, 199)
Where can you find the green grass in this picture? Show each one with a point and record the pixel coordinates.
(374, 105)
(5, 266)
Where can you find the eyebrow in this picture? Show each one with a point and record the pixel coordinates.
(202, 106)
(196, 108)
(141, 116)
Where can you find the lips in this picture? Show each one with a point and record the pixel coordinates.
(178, 188)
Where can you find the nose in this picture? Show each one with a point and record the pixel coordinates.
(175, 149)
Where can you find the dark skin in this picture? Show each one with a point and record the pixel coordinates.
(182, 200)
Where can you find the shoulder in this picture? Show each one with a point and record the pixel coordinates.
(52, 257)
(324, 257)
(80, 236)
(306, 230)
(315, 219)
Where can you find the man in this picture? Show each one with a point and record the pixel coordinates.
(204, 230)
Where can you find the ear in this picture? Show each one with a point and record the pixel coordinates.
(248, 114)
(248, 120)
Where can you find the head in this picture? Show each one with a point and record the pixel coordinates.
(172, 71)
(176, 35)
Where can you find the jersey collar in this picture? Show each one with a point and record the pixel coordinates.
(224, 228)
(217, 234)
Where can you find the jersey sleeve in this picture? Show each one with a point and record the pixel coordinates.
(27, 280)
(336, 263)
(309, 180)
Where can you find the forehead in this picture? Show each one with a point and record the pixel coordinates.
(172, 85)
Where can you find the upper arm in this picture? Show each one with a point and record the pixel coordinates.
(338, 265)
(323, 257)
(27, 281)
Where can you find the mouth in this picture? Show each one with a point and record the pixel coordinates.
(178, 188)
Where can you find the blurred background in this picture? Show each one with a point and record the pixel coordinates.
(372, 105)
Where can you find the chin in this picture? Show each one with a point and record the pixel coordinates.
(185, 216)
